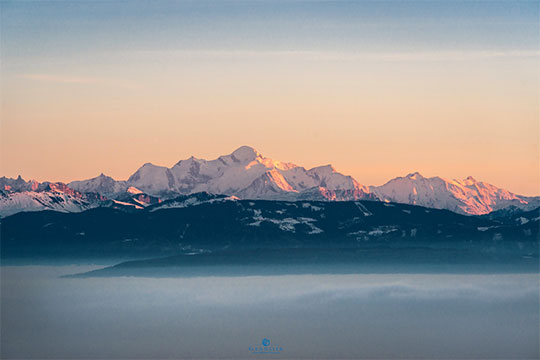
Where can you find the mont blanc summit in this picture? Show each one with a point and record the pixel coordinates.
(245, 172)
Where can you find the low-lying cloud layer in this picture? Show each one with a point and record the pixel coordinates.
(328, 316)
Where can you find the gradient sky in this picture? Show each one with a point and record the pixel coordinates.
(378, 89)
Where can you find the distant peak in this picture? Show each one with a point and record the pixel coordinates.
(323, 169)
(189, 160)
(245, 153)
(329, 167)
(415, 175)
(469, 180)
(102, 177)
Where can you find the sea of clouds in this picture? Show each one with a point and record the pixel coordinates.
(309, 316)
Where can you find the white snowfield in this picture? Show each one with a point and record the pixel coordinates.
(247, 174)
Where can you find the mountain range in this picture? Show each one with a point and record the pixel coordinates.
(246, 174)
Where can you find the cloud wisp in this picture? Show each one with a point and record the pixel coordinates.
(71, 79)
(315, 55)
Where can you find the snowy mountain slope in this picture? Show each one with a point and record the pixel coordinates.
(51, 199)
(228, 174)
(327, 177)
(225, 175)
(60, 197)
(102, 184)
(137, 198)
(153, 179)
(466, 196)
(270, 186)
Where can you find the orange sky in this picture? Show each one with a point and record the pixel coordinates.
(373, 113)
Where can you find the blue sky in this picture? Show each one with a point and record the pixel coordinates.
(53, 28)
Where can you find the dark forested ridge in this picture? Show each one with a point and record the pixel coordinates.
(212, 223)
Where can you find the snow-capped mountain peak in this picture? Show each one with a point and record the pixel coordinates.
(102, 184)
(323, 170)
(153, 179)
(415, 176)
(229, 174)
(468, 181)
(245, 154)
(467, 196)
